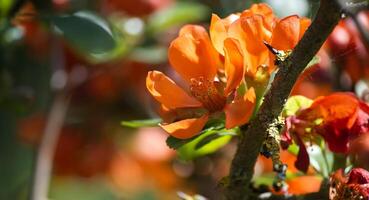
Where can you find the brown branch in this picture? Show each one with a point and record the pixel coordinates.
(242, 167)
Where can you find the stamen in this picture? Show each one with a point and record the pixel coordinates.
(205, 91)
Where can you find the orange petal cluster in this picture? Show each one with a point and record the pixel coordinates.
(215, 65)
(252, 28)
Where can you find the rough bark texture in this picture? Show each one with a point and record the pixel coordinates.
(242, 168)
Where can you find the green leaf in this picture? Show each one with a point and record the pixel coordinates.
(264, 179)
(295, 103)
(189, 151)
(206, 140)
(313, 62)
(293, 148)
(213, 129)
(87, 33)
(175, 143)
(213, 137)
(178, 14)
(141, 123)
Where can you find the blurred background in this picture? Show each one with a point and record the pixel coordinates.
(71, 71)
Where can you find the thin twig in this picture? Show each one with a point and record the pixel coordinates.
(352, 10)
(47, 147)
(242, 167)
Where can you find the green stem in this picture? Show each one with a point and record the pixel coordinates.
(339, 161)
(328, 167)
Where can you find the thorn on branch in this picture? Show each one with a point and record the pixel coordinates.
(270, 48)
(280, 55)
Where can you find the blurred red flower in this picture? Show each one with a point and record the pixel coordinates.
(338, 119)
(354, 186)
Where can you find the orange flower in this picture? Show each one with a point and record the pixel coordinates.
(252, 28)
(215, 66)
(195, 59)
(304, 184)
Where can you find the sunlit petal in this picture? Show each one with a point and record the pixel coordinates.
(286, 33)
(304, 25)
(234, 69)
(164, 90)
(192, 55)
(264, 10)
(239, 111)
(186, 128)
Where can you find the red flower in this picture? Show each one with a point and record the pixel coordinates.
(342, 118)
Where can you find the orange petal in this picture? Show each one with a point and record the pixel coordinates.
(166, 114)
(263, 10)
(240, 110)
(192, 55)
(235, 31)
(340, 107)
(218, 33)
(255, 33)
(304, 184)
(304, 25)
(286, 33)
(253, 61)
(219, 30)
(186, 128)
(233, 64)
(251, 34)
(164, 90)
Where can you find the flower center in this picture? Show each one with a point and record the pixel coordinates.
(205, 91)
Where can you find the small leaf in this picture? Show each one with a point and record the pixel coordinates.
(212, 137)
(264, 179)
(175, 143)
(293, 149)
(189, 150)
(295, 103)
(141, 123)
